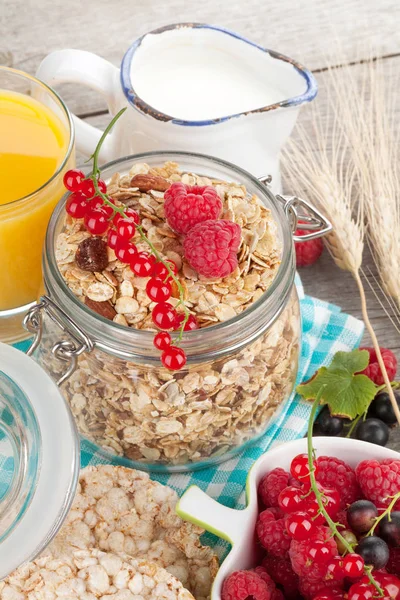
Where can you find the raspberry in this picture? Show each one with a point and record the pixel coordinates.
(335, 473)
(393, 566)
(302, 563)
(341, 517)
(309, 589)
(272, 484)
(261, 571)
(272, 534)
(185, 206)
(277, 512)
(307, 253)
(241, 584)
(379, 481)
(373, 371)
(211, 247)
(282, 573)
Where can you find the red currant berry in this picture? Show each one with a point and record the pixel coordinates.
(331, 501)
(162, 340)
(353, 565)
(329, 594)
(96, 202)
(300, 469)
(106, 209)
(299, 525)
(164, 315)
(190, 325)
(173, 358)
(335, 569)
(101, 184)
(161, 270)
(126, 228)
(143, 264)
(112, 239)
(290, 499)
(130, 214)
(319, 552)
(125, 251)
(77, 205)
(96, 221)
(87, 188)
(158, 290)
(389, 583)
(361, 591)
(72, 179)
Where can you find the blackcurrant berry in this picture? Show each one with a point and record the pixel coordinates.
(361, 515)
(374, 551)
(381, 407)
(350, 538)
(390, 530)
(329, 425)
(373, 431)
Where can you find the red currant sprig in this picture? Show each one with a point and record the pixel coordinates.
(89, 201)
(324, 508)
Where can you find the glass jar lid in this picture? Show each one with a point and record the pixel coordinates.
(39, 459)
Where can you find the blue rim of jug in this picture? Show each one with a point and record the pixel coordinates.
(142, 106)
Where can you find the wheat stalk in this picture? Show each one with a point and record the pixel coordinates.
(382, 145)
(327, 163)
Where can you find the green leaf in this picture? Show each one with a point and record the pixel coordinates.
(346, 393)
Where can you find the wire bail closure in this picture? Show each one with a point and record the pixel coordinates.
(302, 215)
(65, 350)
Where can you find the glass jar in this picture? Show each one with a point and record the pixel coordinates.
(239, 373)
(39, 475)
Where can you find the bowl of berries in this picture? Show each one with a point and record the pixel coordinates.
(322, 522)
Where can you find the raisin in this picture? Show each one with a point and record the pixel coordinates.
(91, 254)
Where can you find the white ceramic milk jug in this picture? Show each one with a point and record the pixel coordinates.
(192, 87)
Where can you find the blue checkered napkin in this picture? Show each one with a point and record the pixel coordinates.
(325, 331)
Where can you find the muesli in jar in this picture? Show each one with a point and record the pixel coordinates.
(217, 272)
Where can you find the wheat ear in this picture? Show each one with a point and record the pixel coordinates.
(382, 146)
(331, 169)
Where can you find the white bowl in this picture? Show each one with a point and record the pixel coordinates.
(238, 526)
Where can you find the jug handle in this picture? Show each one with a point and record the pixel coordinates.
(79, 66)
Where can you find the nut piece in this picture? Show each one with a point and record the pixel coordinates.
(104, 309)
(91, 254)
(145, 183)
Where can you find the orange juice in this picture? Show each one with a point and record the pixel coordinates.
(34, 143)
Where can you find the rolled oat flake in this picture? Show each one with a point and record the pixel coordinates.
(39, 459)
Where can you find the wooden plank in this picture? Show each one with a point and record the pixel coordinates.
(29, 31)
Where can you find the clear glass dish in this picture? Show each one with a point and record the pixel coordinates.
(39, 474)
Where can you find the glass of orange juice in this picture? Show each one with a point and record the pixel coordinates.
(36, 148)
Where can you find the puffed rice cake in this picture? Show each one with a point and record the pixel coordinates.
(123, 510)
(92, 575)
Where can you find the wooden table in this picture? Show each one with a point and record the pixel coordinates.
(309, 30)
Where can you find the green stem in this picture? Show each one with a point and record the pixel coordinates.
(385, 513)
(353, 426)
(121, 210)
(95, 155)
(318, 495)
(173, 276)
